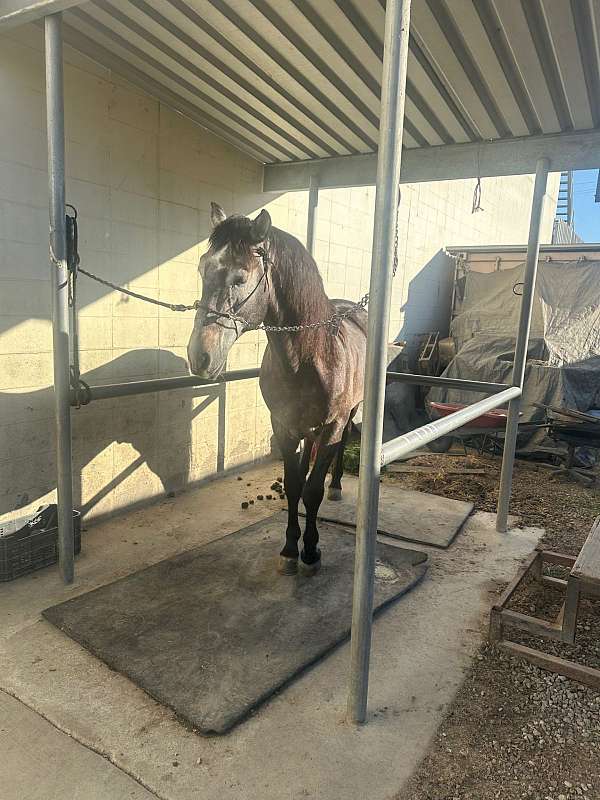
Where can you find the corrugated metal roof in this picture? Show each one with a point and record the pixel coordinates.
(290, 80)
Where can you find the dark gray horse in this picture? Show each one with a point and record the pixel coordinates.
(311, 379)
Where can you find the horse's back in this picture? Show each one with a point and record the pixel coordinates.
(359, 317)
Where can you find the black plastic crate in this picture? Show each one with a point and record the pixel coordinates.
(31, 542)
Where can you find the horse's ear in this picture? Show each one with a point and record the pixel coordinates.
(217, 215)
(261, 227)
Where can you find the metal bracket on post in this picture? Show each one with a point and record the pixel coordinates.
(313, 202)
(512, 425)
(397, 21)
(60, 291)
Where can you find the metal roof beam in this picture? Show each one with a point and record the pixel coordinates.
(17, 12)
(566, 151)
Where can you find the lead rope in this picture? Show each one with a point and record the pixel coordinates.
(74, 267)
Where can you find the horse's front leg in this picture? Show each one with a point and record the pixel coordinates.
(293, 481)
(314, 489)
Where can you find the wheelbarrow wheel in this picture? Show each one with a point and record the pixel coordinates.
(441, 445)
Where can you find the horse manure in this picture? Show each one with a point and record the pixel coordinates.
(240, 478)
(259, 497)
(251, 502)
(279, 480)
(269, 497)
(248, 484)
(245, 505)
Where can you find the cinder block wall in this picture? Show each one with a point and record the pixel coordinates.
(142, 178)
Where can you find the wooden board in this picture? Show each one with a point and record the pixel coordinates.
(587, 566)
(570, 669)
(401, 469)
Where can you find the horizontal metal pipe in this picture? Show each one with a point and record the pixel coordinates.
(405, 444)
(130, 388)
(447, 383)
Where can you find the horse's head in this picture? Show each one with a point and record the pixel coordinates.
(234, 289)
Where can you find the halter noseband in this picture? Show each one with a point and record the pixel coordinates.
(213, 316)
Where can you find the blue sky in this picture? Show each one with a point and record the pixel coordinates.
(587, 212)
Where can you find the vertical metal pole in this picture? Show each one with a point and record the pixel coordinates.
(221, 427)
(313, 202)
(533, 252)
(397, 20)
(60, 291)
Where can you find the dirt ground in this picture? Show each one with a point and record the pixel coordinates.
(513, 730)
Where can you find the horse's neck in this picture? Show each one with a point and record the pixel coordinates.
(297, 302)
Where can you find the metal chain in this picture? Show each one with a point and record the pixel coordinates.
(334, 321)
(138, 296)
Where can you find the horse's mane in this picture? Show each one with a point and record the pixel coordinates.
(299, 281)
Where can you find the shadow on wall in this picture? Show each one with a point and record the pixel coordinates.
(146, 444)
(427, 309)
(428, 302)
(157, 256)
(132, 447)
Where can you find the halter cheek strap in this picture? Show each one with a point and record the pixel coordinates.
(212, 315)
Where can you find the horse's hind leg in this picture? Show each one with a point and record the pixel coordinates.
(334, 492)
(293, 481)
(312, 496)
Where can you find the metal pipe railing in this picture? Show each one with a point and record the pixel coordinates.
(55, 117)
(446, 383)
(403, 445)
(518, 377)
(397, 19)
(127, 389)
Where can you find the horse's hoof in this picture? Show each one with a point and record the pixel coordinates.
(333, 493)
(308, 570)
(287, 566)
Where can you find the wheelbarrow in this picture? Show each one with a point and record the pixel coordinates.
(484, 433)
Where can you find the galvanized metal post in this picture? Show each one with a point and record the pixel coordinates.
(60, 291)
(533, 252)
(313, 202)
(222, 428)
(397, 20)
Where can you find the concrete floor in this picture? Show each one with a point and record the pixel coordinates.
(41, 763)
(296, 746)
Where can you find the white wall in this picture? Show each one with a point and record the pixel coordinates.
(142, 178)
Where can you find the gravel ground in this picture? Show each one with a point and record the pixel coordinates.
(515, 731)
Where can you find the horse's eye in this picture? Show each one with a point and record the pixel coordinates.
(239, 279)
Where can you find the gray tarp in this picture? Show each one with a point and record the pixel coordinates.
(563, 366)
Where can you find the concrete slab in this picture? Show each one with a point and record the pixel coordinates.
(404, 514)
(41, 763)
(297, 746)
